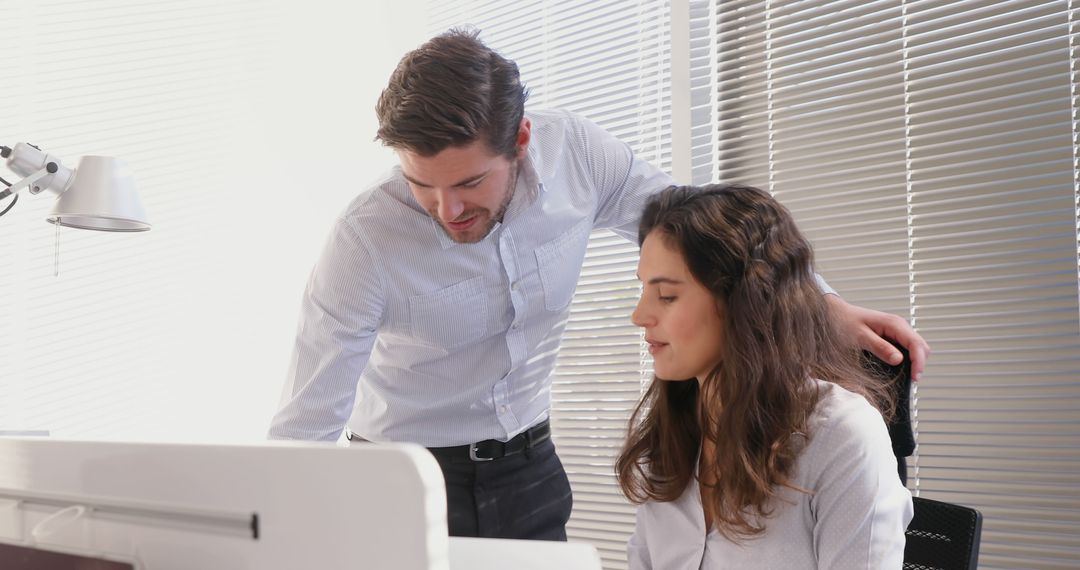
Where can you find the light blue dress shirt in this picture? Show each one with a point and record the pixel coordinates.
(406, 335)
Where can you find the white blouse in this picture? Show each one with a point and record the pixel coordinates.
(855, 517)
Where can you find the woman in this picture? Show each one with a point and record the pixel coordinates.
(759, 444)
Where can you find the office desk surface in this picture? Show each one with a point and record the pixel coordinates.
(500, 554)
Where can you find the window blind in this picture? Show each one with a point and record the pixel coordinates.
(610, 62)
(88, 353)
(928, 150)
(703, 60)
(811, 107)
(13, 237)
(237, 123)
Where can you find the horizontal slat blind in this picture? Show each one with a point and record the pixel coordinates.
(742, 114)
(91, 353)
(995, 270)
(811, 107)
(14, 235)
(702, 91)
(838, 142)
(929, 151)
(608, 61)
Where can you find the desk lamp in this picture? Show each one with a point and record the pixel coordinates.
(97, 195)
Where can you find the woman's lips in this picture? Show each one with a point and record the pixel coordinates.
(655, 346)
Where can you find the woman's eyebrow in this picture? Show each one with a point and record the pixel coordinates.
(661, 279)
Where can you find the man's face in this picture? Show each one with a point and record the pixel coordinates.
(466, 189)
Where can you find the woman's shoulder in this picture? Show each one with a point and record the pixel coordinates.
(846, 420)
(839, 405)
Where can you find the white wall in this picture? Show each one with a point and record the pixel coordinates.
(249, 126)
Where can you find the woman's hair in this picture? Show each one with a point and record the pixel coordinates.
(745, 248)
(450, 92)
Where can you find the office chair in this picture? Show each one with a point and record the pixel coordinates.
(942, 536)
(899, 379)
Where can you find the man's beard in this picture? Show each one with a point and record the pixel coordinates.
(480, 234)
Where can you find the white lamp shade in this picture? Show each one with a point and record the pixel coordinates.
(101, 197)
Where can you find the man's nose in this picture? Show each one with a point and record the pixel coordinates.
(450, 206)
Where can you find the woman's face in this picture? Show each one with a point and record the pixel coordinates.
(681, 318)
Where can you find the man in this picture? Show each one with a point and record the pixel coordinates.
(435, 311)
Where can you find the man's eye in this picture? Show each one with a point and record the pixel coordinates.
(667, 299)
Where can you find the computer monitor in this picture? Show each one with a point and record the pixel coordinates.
(272, 506)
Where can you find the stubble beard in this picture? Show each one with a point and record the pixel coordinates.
(482, 233)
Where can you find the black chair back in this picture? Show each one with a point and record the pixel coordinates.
(899, 380)
(942, 536)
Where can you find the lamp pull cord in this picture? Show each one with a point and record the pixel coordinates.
(56, 252)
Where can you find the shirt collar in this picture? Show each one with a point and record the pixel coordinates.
(530, 172)
(440, 233)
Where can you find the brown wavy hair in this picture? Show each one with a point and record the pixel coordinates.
(745, 248)
(450, 92)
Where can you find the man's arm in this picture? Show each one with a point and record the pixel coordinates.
(339, 320)
(624, 183)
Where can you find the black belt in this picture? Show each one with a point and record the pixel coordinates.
(491, 449)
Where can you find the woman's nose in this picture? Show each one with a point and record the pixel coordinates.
(638, 317)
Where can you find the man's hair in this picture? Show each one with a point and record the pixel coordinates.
(450, 92)
(744, 247)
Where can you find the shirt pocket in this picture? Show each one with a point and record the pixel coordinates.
(559, 263)
(450, 317)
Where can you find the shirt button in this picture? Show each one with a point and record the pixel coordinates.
(514, 326)
(515, 286)
(503, 409)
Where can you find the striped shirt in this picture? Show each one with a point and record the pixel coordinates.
(406, 335)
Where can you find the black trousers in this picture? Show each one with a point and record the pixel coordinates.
(525, 495)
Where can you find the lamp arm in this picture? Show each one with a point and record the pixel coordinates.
(29, 161)
(49, 169)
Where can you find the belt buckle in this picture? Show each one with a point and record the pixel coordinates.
(473, 456)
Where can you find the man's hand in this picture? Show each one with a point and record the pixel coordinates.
(870, 328)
